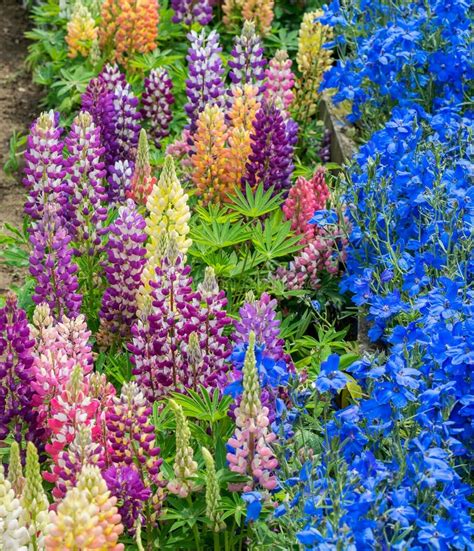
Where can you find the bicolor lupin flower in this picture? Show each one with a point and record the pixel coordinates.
(247, 64)
(189, 12)
(157, 99)
(280, 81)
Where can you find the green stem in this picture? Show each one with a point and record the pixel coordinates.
(197, 539)
(217, 543)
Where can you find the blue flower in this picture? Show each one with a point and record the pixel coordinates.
(324, 218)
(330, 378)
(254, 505)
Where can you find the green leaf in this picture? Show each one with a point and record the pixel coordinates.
(274, 239)
(255, 204)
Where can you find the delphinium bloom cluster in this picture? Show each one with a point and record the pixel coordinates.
(192, 11)
(250, 452)
(157, 99)
(168, 218)
(162, 353)
(314, 58)
(258, 11)
(123, 270)
(128, 28)
(82, 32)
(17, 416)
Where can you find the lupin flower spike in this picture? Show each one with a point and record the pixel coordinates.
(168, 217)
(87, 518)
(213, 496)
(157, 99)
(209, 159)
(259, 11)
(142, 180)
(128, 27)
(123, 270)
(192, 11)
(15, 470)
(280, 81)
(33, 500)
(247, 62)
(14, 535)
(81, 31)
(184, 465)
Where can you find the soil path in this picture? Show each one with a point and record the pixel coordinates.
(19, 100)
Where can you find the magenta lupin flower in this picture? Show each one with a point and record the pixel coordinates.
(123, 270)
(280, 81)
(52, 266)
(86, 172)
(205, 75)
(17, 415)
(157, 99)
(192, 11)
(272, 140)
(246, 61)
(45, 168)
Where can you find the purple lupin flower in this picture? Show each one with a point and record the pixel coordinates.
(205, 83)
(45, 168)
(157, 99)
(247, 62)
(126, 485)
(259, 316)
(180, 343)
(86, 171)
(192, 11)
(272, 140)
(123, 270)
(127, 127)
(52, 267)
(17, 415)
(120, 181)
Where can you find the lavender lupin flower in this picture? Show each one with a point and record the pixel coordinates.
(247, 62)
(157, 99)
(45, 168)
(273, 139)
(205, 83)
(126, 485)
(52, 267)
(86, 172)
(124, 267)
(16, 359)
(192, 11)
(120, 181)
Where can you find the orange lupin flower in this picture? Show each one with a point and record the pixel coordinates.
(244, 106)
(81, 32)
(129, 27)
(209, 160)
(258, 11)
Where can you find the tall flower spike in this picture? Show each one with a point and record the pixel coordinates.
(213, 496)
(87, 518)
(246, 61)
(280, 81)
(142, 180)
(128, 27)
(15, 470)
(81, 31)
(304, 198)
(250, 447)
(157, 99)
(33, 500)
(86, 172)
(45, 168)
(184, 465)
(127, 127)
(119, 181)
(273, 140)
(16, 358)
(205, 81)
(14, 535)
(209, 159)
(52, 266)
(168, 217)
(258, 11)
(123, 270)
(192, 11)
(313, 60)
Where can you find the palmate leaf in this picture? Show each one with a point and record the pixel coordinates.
(215, 213)
(202, 405)
(223, 262)
(274, 239)
(254, 204)
(219, 236)
(73, 81)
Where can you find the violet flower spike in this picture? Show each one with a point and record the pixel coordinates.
(246, 61)
(189, 12)
(157, 99)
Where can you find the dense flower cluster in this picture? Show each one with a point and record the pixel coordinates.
(192, 11)
(82, 32)
(157, 99)
(279, 80)
(258, 11)
(246, 61)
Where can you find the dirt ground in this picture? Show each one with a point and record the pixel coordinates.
(19, 100)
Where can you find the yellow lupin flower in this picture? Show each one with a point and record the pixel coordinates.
(87, 518)
(81, 31)
(209, 159)
(169, 215)
(312, 58)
